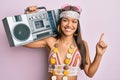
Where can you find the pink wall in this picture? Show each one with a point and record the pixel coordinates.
(20, 63)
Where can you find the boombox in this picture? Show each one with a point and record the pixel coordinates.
(26, 28)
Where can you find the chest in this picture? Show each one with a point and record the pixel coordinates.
(62, 52)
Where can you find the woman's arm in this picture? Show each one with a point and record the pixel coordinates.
(47, 43)
(37, 44)
(91, 68)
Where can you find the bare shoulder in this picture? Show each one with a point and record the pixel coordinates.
(85, 43)
(50, 41)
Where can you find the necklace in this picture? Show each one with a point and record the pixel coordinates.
(66, 62)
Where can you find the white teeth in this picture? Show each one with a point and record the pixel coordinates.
(68, 29)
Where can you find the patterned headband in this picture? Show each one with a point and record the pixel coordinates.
(70, 11)
(71, 14)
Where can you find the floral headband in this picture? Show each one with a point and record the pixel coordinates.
(70, 11)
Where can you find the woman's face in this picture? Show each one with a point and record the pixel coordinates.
(69, 26)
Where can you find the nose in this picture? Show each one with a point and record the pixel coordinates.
(69, 23)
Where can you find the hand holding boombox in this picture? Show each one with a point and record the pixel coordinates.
(32, 9)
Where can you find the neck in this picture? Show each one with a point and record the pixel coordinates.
(67, 39)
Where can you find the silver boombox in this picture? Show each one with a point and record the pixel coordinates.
(26, 28)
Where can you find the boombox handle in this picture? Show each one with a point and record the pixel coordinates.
(37, 8)
(42, 8)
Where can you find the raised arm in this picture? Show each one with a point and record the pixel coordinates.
(91, 68)
(37, 44)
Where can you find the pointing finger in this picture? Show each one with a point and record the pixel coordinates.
(101, 37)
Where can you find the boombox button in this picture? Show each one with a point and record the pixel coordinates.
(34, 17)
(30, 18)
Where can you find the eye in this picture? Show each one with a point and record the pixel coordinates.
(64, 20)
(74, 21)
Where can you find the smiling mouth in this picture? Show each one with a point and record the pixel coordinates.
(68, 29)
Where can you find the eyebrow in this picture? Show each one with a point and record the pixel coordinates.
(68, 18)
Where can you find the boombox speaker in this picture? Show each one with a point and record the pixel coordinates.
(26, 28)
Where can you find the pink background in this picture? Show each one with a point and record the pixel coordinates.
(20, 63)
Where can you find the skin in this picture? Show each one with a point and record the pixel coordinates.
(68, 27)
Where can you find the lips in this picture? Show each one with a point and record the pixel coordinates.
(68, 29)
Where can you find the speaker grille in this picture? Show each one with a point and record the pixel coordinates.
(21, 32)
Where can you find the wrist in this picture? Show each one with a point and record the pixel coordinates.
(99, 54)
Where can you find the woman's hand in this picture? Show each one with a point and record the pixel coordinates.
(101, 46)
(31, 9)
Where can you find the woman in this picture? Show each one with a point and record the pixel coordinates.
(68, 51)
